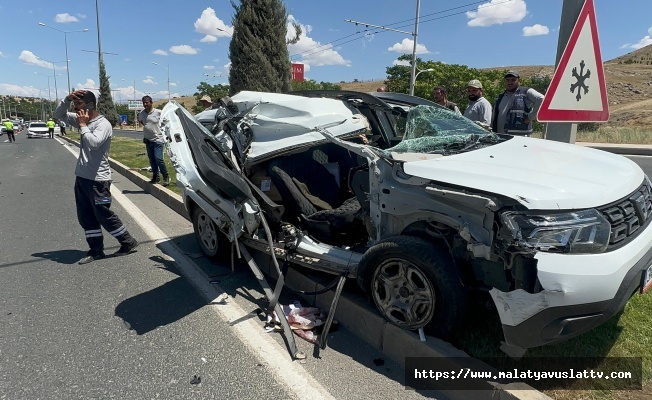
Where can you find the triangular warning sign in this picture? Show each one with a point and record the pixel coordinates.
(578, 92)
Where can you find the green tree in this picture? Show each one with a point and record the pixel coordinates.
(453, 77)
(215, 92)
(311, 84)
(105, 106)
(258, 48)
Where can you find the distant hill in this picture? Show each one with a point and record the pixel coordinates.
(641, 56)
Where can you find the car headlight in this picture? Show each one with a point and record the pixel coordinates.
(585, 231)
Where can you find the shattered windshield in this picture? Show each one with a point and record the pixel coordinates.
(438, 130)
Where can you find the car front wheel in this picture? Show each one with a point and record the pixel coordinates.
(415, 284)
(212, 241)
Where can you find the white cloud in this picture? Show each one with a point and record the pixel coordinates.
(646, 41)
(160, 52)
(65, 18)
(149, 77)
(211, 26)
(183, 49)
(208, 39)
(89, 84)
(173, 83)
(535, 30)
(149, 81)
(1, 54)
(406, 46)
(15, 90)
(311, 51)
(209, 67)
(405, 63)
(497, 12)
(30, 58)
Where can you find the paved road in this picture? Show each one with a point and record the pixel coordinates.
(132, 327)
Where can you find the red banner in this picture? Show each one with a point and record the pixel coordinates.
(297, 72)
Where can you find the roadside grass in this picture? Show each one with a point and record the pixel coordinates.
(617, 135)
(131, 152)
(628, 334)
(613, 135)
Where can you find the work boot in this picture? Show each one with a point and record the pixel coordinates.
(91, 256)
(127, 247)
(155, 179)
(166, 181)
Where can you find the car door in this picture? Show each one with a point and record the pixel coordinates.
(203, 164)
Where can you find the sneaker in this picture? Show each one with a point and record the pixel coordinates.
(166, 181)
(126, 249)
(90, 257)
(155, 179)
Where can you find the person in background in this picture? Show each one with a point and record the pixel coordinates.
(51, 126)
(439, 95)
(206, 102)
(381, 89)
(93, 176)
(9, 126)
(62, 128)
(515, 106)
(154, 140)
(479, 108)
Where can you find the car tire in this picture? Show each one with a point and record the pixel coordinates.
(415, 284)
(212, 241)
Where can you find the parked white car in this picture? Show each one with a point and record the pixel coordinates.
(37, 130)
(421, 206)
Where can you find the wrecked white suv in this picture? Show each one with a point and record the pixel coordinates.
(421, 206)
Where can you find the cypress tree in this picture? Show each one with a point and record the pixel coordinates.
(258, 49)
(105, 105)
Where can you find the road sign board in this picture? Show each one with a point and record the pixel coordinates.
(136, 105)
(578, 92)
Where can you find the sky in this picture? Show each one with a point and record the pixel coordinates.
(189, 40)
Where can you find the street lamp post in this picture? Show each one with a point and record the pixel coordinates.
(420, 71)
(49, 92)
(56, 90)
(168, 70)
(65, 39)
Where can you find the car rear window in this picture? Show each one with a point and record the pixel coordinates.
(38, 125)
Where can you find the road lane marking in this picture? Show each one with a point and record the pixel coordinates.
(275, 357)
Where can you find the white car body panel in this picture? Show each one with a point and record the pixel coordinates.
(540, 174)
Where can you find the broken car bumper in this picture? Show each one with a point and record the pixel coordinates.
(579, 293)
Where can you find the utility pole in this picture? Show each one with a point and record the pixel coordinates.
(414, 48)
(565, 131)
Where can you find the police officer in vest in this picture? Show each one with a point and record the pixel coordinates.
(516, 107)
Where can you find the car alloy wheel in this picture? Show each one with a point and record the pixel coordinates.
(403, 293)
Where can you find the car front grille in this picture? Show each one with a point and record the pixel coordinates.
(628, 216)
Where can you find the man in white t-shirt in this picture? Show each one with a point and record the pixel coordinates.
(479, 108)
(154, 140)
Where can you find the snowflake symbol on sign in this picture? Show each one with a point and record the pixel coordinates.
(581, 77)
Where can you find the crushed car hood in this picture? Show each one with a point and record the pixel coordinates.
(283, 121)
(540, 174)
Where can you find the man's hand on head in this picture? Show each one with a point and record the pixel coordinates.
(76, 95)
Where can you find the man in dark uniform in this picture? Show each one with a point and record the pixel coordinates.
(93, 182)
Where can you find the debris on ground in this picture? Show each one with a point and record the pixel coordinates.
(302, 320)
(196, 380)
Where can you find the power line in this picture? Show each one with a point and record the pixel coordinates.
(368, 32)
